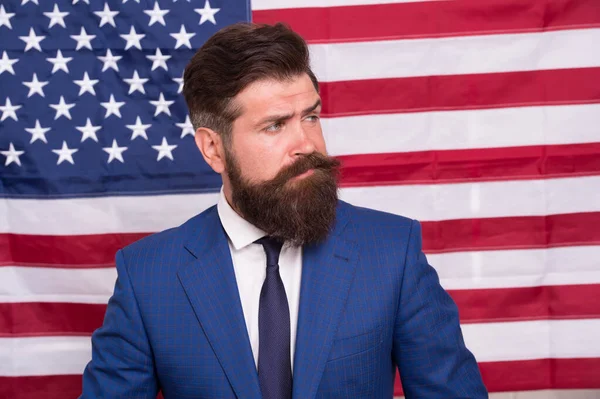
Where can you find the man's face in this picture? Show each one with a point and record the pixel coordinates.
(278, 175)
(279, 122)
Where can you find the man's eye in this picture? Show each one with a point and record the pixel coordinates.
(313, 118)
(274, 127)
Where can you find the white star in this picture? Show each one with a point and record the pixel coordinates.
(156, 15)
(159, 60)
(32, 40)
(83, 39)
(12, 155)
(85, 1)
(60, 62)
(6, 64)
(133, 39)
(38, 132)
(164, 150)
(88, 131)
(9, 110)
(125, 1)
(162, 105)
(5, 17)
(35, 86)
(138, 130)
(183, 38)
(186, 127)
(115, 152)
(56, 17)
(136, 83)
(107, 16)
(65, 154)
(180, 81)
(110, 61)
(207, 13)
(112, 107)
(27, 1)
(86, 85)
(62, 108)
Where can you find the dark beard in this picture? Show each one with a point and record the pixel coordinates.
(300, 212)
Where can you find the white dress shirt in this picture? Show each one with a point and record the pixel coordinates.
(250, 266)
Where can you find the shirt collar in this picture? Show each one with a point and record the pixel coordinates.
(241, 232)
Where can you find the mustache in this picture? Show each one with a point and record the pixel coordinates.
(315, 160)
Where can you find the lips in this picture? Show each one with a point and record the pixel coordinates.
(305, 174)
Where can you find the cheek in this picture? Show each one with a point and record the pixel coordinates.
(257, 164)
(263, 168)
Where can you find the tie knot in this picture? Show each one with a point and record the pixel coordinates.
(272, 248)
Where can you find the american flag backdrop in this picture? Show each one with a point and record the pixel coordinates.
(479, 118)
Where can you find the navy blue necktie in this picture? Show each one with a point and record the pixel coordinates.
(274, 363)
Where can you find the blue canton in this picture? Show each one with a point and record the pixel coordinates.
(90, 96)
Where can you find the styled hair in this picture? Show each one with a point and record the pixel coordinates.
(232, 59)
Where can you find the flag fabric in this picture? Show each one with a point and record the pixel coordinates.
(481, 119)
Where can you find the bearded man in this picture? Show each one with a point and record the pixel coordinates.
(280, 290)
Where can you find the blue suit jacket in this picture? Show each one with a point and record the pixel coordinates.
(369, 302)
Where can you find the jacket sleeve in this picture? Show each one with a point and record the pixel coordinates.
(122, 364)
(428, 347)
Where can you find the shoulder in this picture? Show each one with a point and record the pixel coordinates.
(376, 233)
(362, 218)
(167, 242)
(386, 244)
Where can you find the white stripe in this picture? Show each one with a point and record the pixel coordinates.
(281, 4)
(481, 200)
(462, 270)
(549, 394)
(544, 394)
(101, 215)
(524, 340)
(465, 129)
(518, 268)
(41, 284)
(456, 55)
(528, 340)
(422, 202)
(44, 356)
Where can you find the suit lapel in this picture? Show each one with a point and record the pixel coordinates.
(327, 273)
(209, 282)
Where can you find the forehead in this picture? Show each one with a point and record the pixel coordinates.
(275, 96)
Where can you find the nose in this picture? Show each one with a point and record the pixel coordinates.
(304, 144)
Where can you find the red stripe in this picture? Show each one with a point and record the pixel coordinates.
(525, 375)
(94, 250)
(517, 232)
(481, 164)
(498, 377)
(527, 303)
(475, 306)
(433, 19)
(511, 232)
(46, 387)
(541, 374)
(465, 91)
(31, 319)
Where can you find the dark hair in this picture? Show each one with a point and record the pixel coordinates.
(233, 58)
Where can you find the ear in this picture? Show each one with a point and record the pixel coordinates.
(211, 146)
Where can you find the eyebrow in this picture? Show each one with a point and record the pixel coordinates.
(279, 118)
(310, 109)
